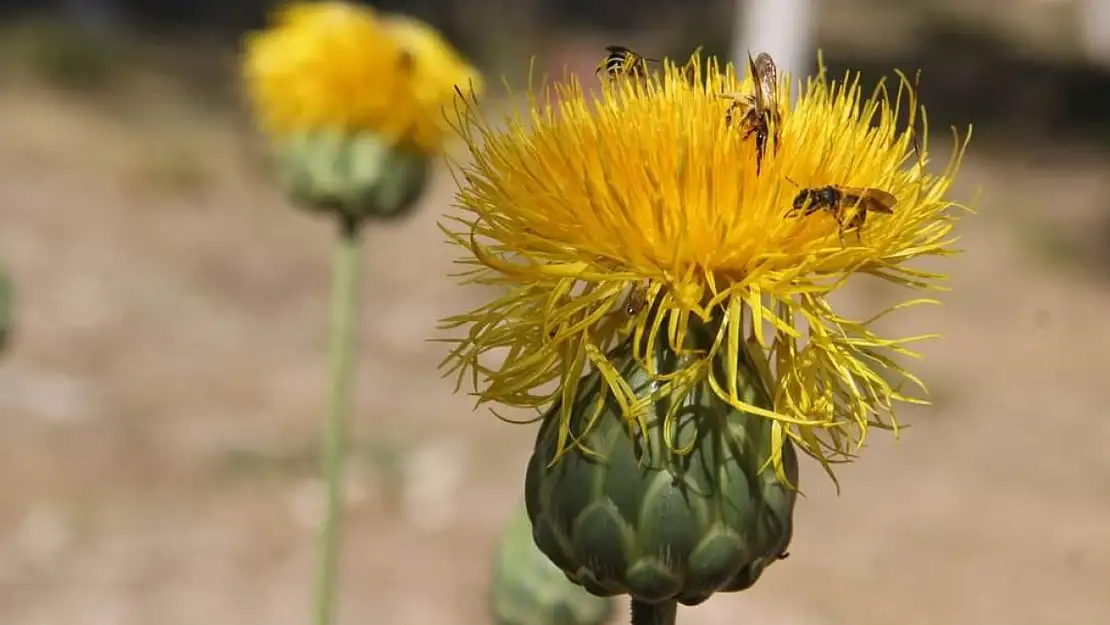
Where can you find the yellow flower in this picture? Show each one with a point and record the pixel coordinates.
(593, 196)
(339, 66)
(433, 78)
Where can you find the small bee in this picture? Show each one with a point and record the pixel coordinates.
(637, 299)
(837, 201)
(406, 62)
(622, 61)
(758, 112)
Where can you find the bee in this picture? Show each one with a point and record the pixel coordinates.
(837, 201)
(622, 61)
(406, 61)
(637, 299)
(758, 112)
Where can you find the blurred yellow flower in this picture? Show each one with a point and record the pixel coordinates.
(591, 197)
(341, 66)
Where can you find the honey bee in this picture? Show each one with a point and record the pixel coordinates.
(837, 201)
(622, 61)
(758, 112)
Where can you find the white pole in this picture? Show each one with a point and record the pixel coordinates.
(1095, 25)
(782, 28)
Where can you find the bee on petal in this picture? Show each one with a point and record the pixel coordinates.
(622, 61)
(758, 112)
(848, 205)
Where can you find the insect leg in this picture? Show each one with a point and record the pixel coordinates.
(760, 146)
(840, 226)
(730, 111)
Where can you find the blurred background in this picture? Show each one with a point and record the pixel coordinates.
(162, 392)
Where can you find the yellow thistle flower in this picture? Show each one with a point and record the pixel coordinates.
(342, 66)
(591, 197)
(433, 79)
(354, 104)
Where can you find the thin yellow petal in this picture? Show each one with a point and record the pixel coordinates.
(593, 191)
(342, 66)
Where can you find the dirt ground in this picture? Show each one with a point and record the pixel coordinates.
(160, 402)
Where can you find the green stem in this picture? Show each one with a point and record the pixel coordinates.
(344, 303)
(663, 613)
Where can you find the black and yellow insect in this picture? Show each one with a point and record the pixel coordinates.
(848, 205)
(622, 61)
(637, 299)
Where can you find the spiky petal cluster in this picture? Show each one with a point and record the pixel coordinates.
(643, 188)
(343, 67)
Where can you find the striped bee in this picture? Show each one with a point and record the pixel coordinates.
(848, 205)
(621, 61)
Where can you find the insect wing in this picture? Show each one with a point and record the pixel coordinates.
(875, 200)
(765, 75)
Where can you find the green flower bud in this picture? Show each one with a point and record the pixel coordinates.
(358, 176)
(527, 589)
(683, 509)
(5, 308)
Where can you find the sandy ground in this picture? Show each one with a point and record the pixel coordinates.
(160, 403)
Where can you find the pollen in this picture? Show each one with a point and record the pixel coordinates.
(640, 188)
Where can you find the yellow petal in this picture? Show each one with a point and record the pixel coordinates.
(643, 183)
(342, 66)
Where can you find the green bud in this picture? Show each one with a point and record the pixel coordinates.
(527, 589)
(357, 176)
(686, 508)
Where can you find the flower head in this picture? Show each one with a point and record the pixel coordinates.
(638, 210)
(340, 66)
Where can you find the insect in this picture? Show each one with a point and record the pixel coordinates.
(406, 61)
(622, 61)
(636, 300)
(758, 112)
(837, 201)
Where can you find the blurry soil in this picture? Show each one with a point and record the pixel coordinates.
(160, 402)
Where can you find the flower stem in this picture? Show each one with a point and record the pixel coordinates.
(344, 303)
(663, 613)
